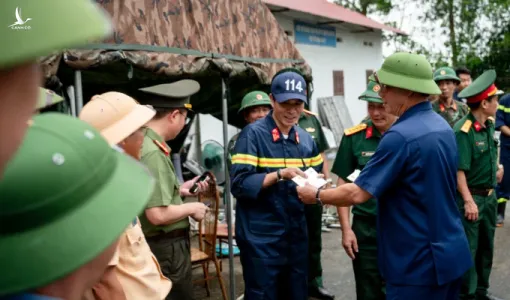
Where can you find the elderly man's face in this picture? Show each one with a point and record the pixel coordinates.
(394, 99)
(19, 88)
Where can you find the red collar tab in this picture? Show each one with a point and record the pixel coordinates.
(477, 126)
(276, 134)
(369, 132)
(297, 137)
(490, 91)
(162, 147)
(442, 107)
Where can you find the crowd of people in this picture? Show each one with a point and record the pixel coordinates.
(92, 207)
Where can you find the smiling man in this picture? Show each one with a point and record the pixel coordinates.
(446, 106)
(271, 230)
(423, 250)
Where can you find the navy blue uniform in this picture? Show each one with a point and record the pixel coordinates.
(503, 118)
(271, 230)
(423, 250)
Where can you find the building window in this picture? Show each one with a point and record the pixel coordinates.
(368, 73)
(338, 83)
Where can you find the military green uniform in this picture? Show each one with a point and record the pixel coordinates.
(309, 122)
(47, 98)
(478, 159)
(170, 243)
(356, 148)
(457, 110)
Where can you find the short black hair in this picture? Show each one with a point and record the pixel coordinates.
(462, 70)
(474, 106)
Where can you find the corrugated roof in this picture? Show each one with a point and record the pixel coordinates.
(332, 11)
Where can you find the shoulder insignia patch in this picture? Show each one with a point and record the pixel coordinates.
(491, 119)
(467, 125)
(162, 147)
(355, 129)
(309, 112)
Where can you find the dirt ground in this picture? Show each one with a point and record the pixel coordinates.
(338, 275)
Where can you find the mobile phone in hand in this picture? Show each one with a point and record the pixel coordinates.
(204, 177)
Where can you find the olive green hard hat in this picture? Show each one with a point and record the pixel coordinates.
(47, 98)
(30, 29)
(254, 98)
(446, 73)
(408, 71)
(371, 94)
(65, 197)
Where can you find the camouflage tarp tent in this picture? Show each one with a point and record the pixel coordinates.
(159, 41)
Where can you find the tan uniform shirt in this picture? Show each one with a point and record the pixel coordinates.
(136, 268)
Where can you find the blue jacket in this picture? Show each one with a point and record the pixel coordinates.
(503, 118)
(270, 221)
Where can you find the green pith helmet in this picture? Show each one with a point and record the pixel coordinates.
(408, 71)
(254, 98)
(445, 73)
(47, 98)
(65, 197)
(371, 94)
(31, 29)
(482, 88)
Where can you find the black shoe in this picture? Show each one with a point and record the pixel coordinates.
(320, 293)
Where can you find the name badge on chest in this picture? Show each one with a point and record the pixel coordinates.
(367, 153)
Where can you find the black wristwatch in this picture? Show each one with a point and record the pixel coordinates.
(278, 176)
(318, 198)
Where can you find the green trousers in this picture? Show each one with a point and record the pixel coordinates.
(480, 235)
(369, 283)
(313, 215)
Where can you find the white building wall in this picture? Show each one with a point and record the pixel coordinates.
(350, 56)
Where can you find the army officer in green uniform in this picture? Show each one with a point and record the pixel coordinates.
(309, 122)
(254, 106)
(446, 106)
(360, 241)
(476, 180)
(165, 221)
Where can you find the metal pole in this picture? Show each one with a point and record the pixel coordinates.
(79, 91)
(72, 100)
(227, 195)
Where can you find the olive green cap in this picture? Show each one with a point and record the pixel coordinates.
(408, 71)
(30, 29)
(65, 197)
(445, 73)
(371, 94)
(171, 95)
(47, 98)
(482, 88)
(254, 98)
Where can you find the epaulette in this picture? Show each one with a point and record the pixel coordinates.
(161, 147)
(309, 112)
(355, 129)
(491, 119)
(467, 125)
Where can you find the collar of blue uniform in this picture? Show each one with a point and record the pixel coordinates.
(425, 105)
(293, 133)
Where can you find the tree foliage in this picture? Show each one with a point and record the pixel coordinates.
(367, 7)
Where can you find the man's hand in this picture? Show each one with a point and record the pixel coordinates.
(500, 173)
(349, 242)
(185, 187)
(307, 194)
(198, 210)
(471, 210)
(289, 173)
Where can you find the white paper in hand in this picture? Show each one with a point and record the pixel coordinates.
(312, 178)
(354, 175)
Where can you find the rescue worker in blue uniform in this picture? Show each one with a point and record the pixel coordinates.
(503, 125)
(271, 230)
(422, 247)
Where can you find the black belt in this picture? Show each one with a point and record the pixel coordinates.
(481, 192)
(177, 233)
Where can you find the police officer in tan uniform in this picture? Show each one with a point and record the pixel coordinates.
(134, 272)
